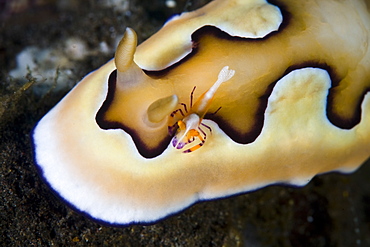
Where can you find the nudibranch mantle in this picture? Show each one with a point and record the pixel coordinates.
(91, 146)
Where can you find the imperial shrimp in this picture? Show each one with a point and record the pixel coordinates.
(188, 122)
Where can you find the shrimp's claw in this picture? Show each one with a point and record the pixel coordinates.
(225, 74)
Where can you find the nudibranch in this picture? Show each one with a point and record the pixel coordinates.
(255, 92)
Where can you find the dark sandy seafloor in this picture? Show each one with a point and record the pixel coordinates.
(332, 210)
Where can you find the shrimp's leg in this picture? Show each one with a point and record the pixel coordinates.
(194, 133)
(185, 109)
(172, 120)
(202, 141)
(215, 112)
(205, 125)
(202, 131)
(191, 97)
